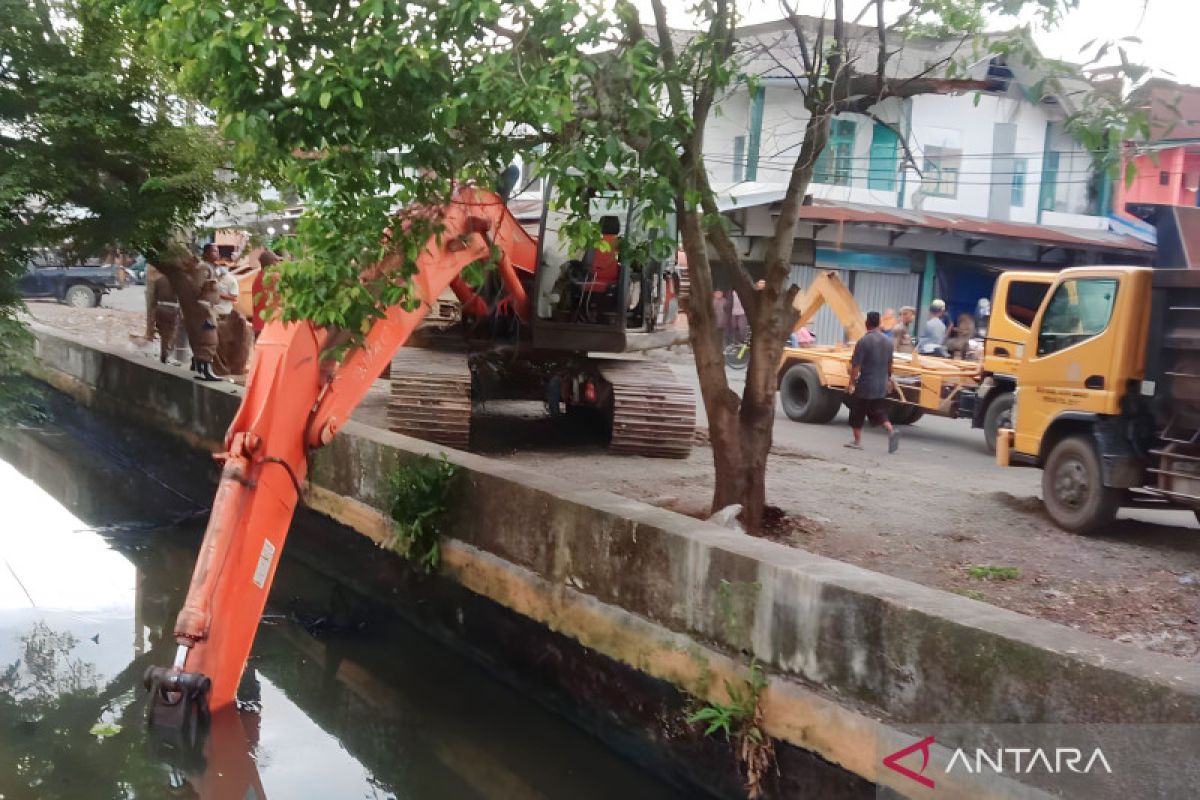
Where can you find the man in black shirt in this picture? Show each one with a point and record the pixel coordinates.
(870, 379)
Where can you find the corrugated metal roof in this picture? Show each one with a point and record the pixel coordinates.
(831, 212)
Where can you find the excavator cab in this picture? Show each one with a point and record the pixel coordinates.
(620, 295)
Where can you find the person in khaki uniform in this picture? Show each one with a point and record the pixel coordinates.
(195, 287)
(152, 276)
(234, 339)
(202, 331)
(166, 314)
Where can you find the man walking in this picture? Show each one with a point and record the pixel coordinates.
(870, 377)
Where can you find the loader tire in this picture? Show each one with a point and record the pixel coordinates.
(805, 399)
(904, 413)
(1073, 487)
(999, 415)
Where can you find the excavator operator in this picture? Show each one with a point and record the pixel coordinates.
(605, 271)
(592, 283)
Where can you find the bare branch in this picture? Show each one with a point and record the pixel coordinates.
(862, 92)
(837, 60)
(882, 55)
(939, 63)
(666, 49)
(800, 81)
(779, 246)
(721, 34)
(721, 241)
(801, 38)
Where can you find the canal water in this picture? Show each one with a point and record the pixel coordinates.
(99, 528)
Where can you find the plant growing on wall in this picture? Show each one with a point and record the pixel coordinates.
(740, 721)
(418, 497)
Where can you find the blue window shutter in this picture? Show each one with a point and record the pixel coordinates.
(1049, 180)
(758, 103)
(884, 145)
(1019, 168)
(835, 164)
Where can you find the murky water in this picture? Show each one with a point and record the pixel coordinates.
(98, 531)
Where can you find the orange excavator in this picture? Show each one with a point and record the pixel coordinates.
(297, 398)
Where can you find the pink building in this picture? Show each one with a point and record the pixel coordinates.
(1168, 163)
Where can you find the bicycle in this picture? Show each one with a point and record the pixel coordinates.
(737, 355)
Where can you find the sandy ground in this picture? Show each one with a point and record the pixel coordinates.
(930, 513)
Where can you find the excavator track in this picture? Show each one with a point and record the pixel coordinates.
(431, 396)
(653, 414)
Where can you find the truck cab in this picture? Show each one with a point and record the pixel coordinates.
(1107, 402)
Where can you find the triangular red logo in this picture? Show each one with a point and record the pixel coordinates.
(893, 761)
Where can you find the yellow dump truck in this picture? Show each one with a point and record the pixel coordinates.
(813, 379)
(1108, 400)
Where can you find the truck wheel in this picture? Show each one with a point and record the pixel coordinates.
(999, 415)
(1073, 487)
(81, 296)
(805, 399)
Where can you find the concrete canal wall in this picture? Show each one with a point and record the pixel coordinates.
(860, 664)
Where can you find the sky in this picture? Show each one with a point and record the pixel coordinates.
(1167, 28)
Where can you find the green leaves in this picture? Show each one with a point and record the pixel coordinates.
(326, 97)
(738, 717)
(419, 493)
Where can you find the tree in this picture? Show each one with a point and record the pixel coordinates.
(95, 154)
(371, 105)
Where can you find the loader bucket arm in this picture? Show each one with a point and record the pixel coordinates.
(829, 290)
(296, 400)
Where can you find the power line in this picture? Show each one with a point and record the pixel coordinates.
(868, 174)
(920, 151)
(859, 171)
(872, 173)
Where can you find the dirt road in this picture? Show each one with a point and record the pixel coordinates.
(939, 512)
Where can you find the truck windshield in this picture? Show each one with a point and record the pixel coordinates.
(1078, 310)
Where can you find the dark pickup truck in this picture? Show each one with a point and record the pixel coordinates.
(81, 287)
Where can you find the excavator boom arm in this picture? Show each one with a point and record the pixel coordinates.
(296, 400)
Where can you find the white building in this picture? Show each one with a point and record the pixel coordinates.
(997, 181)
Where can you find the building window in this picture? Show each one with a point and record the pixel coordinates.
(1049, 185)
(1164, 178)
(941, 171)
(882, 173)
(739, 159)
(834, 164)
(1020, 166)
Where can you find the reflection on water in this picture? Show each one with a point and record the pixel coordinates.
(96, 547)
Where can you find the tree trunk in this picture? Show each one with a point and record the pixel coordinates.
(721, 403)
(756, 416)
